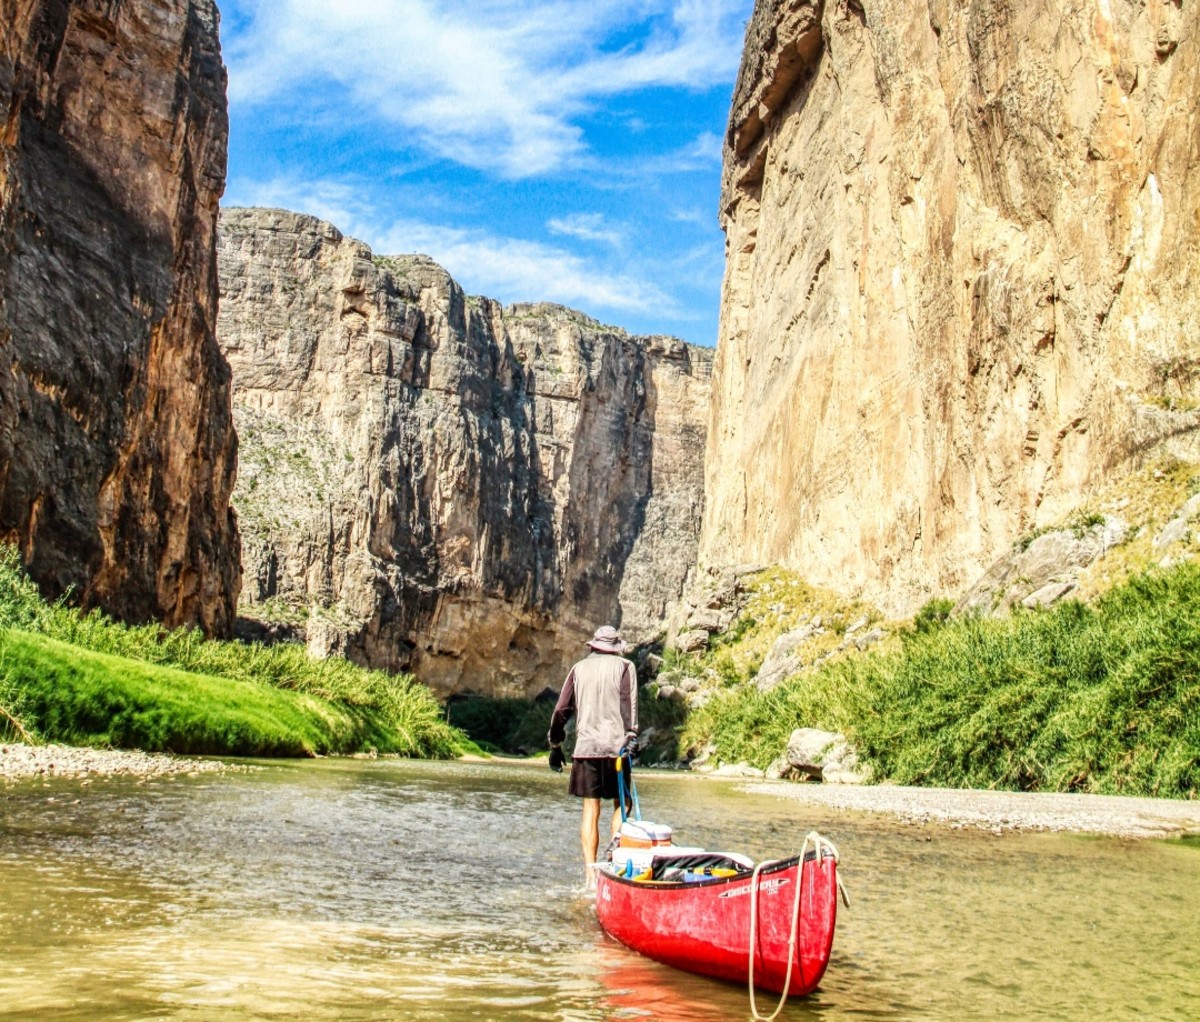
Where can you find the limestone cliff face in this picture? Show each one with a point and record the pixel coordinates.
(442, 484)
(116, 436)
(963, 243)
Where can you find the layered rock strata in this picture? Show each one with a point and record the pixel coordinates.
(116, 435)
(962, 246)
(431, 481)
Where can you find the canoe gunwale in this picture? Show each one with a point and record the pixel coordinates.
(671, 885)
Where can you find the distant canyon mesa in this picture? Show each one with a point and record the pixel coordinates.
(963, 241)
(443, 484)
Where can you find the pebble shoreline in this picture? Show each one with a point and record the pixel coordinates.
(31, 762)
(994, 811)
(1002, 811)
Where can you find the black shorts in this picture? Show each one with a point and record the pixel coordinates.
(595, 778)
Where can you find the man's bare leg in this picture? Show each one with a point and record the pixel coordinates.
(589, 837)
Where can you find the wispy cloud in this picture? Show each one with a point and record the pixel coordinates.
(707, 146)
(499, 85)
(515, 269)
(481, 260)
(587, 227)
(341, 203)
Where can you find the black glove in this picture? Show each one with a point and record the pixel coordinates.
(631, 743)
(557, 759)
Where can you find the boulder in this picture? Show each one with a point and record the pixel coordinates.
(783, 660)
(780, 769)
(825, 756)
(869, 638)
(693, 641)
(1052, 558)
(1180, 526)
(709, 620)
(1050, 593)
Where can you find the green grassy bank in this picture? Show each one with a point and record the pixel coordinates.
(1100, 697)
(87, 680)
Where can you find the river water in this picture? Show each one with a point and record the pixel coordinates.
(338, 889)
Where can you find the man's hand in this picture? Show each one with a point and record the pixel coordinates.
(631, 743)
(557, 759)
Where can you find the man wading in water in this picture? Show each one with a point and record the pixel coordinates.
(601, 693)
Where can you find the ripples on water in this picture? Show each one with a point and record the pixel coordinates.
(394, 890)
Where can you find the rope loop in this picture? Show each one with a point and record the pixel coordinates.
(822, 847)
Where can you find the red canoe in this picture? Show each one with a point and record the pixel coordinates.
(704, 926)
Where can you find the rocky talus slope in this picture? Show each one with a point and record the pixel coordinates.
(117, 447)
(963, 240)
(430, 481)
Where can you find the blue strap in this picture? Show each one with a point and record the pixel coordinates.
(621, 788)
(623, 765)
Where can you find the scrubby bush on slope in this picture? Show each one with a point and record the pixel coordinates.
(1102, 697)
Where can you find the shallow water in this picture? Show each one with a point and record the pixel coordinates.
(396, 890)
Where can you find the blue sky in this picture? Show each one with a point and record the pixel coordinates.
(540, 150)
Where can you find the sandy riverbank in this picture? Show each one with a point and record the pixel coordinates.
(23, 762)
(1000, 811)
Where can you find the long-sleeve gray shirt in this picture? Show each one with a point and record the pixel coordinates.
(601, 692)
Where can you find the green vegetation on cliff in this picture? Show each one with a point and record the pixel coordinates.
(1100, 697)
(85, 679)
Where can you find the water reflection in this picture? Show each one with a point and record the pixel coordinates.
(391, 890)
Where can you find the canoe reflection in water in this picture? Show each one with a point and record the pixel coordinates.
(638, 988)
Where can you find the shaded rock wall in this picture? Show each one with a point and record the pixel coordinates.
(962, 246)
(116, 437)
(430, 481)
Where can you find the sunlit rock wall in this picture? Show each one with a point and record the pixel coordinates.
(430, 481)
(963, 242)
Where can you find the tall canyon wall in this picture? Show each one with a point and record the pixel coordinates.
(441, 484)
(963, 242)
(116, 436)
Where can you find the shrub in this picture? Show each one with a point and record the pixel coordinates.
(1101, 698)
(932, 615)
(394, 712)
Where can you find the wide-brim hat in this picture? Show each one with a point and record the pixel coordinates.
(606, 640)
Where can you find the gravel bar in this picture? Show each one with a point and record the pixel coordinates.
(1000, 811)
(25, 762)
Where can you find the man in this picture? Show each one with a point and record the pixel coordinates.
(601, 693)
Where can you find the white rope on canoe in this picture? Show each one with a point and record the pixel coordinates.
(822, 847)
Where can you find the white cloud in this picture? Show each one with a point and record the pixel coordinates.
(483, 262)
(515, 269)
(342, 203)
(707, 146)
(587, 227)
(492, 84)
